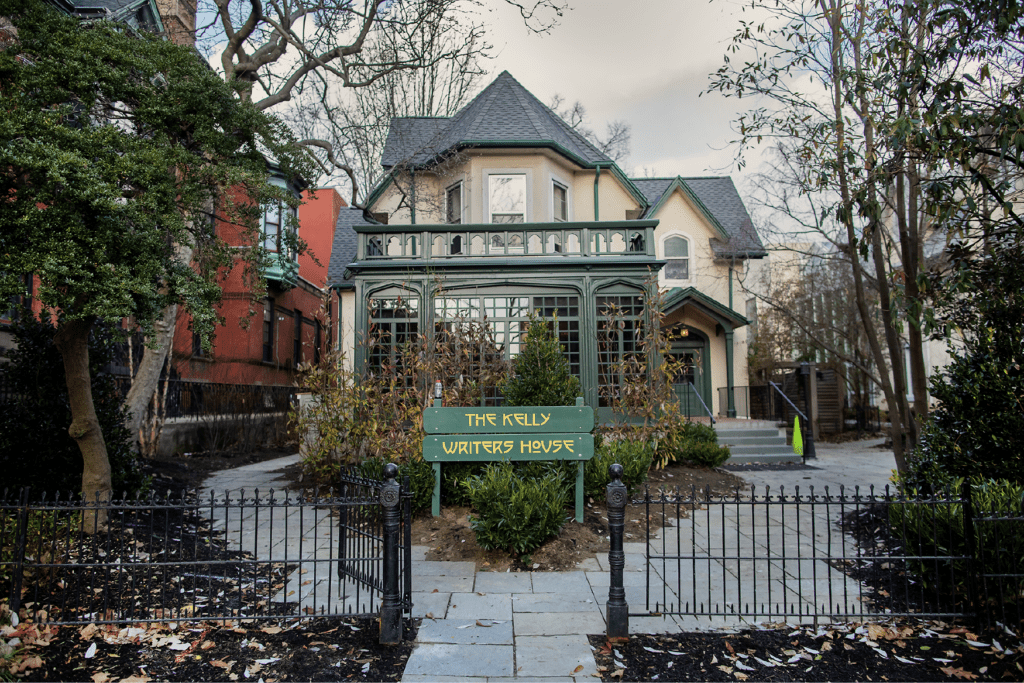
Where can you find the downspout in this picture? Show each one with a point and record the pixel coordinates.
(731, 263)
(412, 195)
(597, 179)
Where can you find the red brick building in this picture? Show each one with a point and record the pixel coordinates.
(263, 345)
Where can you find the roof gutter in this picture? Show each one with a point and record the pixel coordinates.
(597, 179)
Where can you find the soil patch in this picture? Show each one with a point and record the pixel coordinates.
(300, 650)
(895, 651)
(449, 536)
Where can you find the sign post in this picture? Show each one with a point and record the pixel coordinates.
(508, 434)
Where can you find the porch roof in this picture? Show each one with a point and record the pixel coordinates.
(678, 297)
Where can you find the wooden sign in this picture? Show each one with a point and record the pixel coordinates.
(506, 434)
(579, 419)
(494, 447)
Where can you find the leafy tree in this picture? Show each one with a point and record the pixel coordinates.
(541, 372)
(978, 427)
(113, 147)
(909, 105)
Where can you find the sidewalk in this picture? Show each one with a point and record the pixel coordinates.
(484, 626)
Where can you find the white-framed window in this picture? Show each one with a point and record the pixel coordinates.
(559, 202)
(506, 197)
(453, 204)
(278, 221)
(677, 257)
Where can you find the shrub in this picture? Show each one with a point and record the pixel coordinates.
(634, 456)
(541, 372)
(515, 513)
(702, 453)
(695, 431)
(419, 471)
(35, 447)
(937, 528)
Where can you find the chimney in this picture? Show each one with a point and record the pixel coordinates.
(179, 19)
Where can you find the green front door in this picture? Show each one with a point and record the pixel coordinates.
(691, 383)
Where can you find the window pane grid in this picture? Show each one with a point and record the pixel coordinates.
(619, 341)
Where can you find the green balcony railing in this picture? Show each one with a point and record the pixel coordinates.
(452, 242)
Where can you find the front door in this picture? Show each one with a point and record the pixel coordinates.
(691, 381)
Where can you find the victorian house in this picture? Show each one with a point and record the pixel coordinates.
(503, 210)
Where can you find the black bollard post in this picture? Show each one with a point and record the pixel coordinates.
(391, 604)
(618, 609)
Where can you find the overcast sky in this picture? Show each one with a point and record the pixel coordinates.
(643, 62)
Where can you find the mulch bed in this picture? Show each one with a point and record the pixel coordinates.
(299, 650)
(896, 651)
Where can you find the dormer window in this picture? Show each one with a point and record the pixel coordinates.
(453, 204)
(677, 255)
(559, 203)
(507, 198)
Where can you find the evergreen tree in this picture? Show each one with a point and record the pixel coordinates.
(541, 372)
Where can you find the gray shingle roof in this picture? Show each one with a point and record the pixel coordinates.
(345, 245)
(719, 195)
(504, 111)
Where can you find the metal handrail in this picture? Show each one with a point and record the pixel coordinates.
(706, 409)
(809, 451)
(783, 395)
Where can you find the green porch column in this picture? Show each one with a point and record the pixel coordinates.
(729, 378)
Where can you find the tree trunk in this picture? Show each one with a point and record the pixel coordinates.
(72, 340)
(146, 381)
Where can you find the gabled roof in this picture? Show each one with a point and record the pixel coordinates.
(345, 245)
(716, 197)
(503, 114)
(678, 297)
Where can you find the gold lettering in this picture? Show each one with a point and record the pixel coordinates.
(521, 419)
(568, 445)
(557, 445)
(488, 445)
(463, 448)
(546, 446)
(509, 445)
(452, 444)
(490, 419)
(524, 447)
(536, 446)
(506, 419)
(546, 418)
(470, 419)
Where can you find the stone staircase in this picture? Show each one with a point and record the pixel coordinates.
(759, 441)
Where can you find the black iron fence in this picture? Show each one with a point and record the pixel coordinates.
(807, 556)
(208, 556)
(187, 398)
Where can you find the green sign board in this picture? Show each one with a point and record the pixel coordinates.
(579, 419)
(492, 447)
(505, 434)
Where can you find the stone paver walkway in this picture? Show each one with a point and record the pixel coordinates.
(486, 626)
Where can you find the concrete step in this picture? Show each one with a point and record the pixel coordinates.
(726, 434)
(762, 440)
(791, 457)
(779, 449)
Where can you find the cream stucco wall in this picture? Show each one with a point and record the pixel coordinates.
(541, 171)
(346, 333)
(678, 216)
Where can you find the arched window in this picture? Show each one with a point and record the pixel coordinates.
(677, 255)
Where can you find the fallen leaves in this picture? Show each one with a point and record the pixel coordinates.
(958, 673)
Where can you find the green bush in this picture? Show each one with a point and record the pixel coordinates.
(516, 513)
(937, 528)
(419, 471)
(35, 447)
(541, 371)
(634, 456)
(702, 453)
(695, 431)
